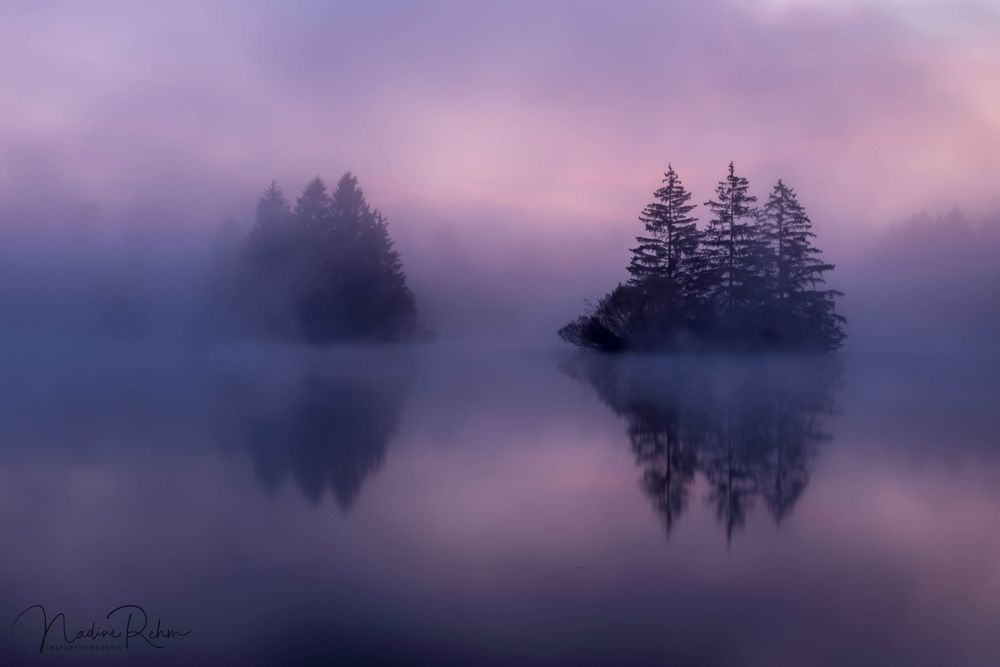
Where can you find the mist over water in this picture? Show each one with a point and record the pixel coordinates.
(488, 495)
(466, 503)
(476, 491)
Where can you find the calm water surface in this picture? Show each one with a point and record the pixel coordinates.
(484, 506)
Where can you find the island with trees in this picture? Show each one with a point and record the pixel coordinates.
(325, 270)
(751, 279)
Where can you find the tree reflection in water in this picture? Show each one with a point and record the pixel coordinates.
(749, 427)
(331, 434)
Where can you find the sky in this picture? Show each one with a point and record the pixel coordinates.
(515, 119)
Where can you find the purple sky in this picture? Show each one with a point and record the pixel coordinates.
(538, 116)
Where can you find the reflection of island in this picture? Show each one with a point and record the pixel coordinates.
(748, 428)
(332, 434)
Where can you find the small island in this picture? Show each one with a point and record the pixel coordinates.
(751, 280)
(324, 271)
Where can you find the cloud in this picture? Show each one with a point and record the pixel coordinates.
(564, 112)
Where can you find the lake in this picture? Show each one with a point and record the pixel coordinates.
(494, 506)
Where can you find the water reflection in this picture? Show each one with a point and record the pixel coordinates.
(324, 420)
(749, 429)
(332, 434)
(501, 527)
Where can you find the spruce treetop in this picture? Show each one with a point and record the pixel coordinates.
(272, 208)
(313, 205)
(671, 235)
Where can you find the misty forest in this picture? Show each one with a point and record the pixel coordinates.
(326, 270)
(751, 279)
(528, 333)
(321, 271)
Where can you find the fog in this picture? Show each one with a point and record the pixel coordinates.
(926, 285)
(217, 401)
(512, 148)
(468, 506)
(525, 113)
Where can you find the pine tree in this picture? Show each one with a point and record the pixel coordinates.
(269, 258)
(272, 209)
(803, 312)
(729, 250)
(731, 266)
(312, 209)
(382, 301)
(398, 310)
(348, 207)
(268, 242)
(663, 263)
(359, 289)
(328, 270)
(669, 248)
(751, 280)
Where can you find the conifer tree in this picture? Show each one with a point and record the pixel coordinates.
(326, 270)
(668, 250)
(383, 302)
(803, 310)
(729, 256)
(269, 258)
(751, 280)
(663, 263)
(348, 207)
(272, 209)
(267, 240)
(312, 209)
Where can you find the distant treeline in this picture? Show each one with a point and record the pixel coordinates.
(750, 280)
(325, 270)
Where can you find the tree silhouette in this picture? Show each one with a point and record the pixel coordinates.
(272, 211)
(730, 259)
(270, 266)
(328, 270)
(663, 265)
(801, 311)
(376, 299)
(312, 209)
(611, 325)
(750, 280)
